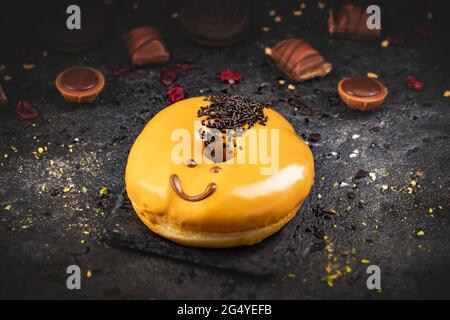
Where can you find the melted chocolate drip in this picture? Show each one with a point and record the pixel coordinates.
(215, 169)
(176, 186)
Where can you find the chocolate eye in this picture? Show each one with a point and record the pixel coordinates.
(215, 169)
(190, 163)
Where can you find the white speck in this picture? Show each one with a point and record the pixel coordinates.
(384, 187)
(355, 136)
(356, 151)
(343, 184)
(373, 176)
(334, 153)
(352, 155)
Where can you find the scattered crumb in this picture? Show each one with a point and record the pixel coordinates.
(268, 51)
(272, 13)
(103, 192)
(355, 136)
(89, 274)
(281, 82)
(291, 87)
(175, 15)
(265, 29)
(321, 5)
(421, 233)
(385, 43)
(446, 93)
(291, 275)
(8, 207)
(372, 75)
(277, 19)
(373, 176)
(28, 66)
(365, 261)
(302, 5)
(297, 13)
(7, 78)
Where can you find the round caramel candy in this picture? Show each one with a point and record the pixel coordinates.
(80, 84)
(362, 93)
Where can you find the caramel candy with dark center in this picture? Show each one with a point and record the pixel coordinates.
(80, 84)
(362, 93)
(79, 79)
(350, 21)
(145, 46)
(299, 61)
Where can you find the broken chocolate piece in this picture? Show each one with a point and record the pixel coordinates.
(350, 21)
(145, 46)
(299, 61)
(3, 99)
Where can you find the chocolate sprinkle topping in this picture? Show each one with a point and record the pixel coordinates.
(232, 112)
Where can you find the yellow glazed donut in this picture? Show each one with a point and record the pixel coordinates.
(195, 200)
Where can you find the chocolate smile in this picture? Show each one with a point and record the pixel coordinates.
(176, 186)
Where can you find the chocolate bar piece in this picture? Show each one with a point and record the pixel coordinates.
(350, 21)
(3, 99)
(299, 61)
(145, 46)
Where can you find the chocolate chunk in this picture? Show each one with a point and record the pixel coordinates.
(361, 174)
(215, 23)
(3, 99)
(350, 21)
(314, 136)
(299, 61)
(145, 46)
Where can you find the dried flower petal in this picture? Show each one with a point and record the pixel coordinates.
(428, 30)
(414, 84)
(230, 77)
(26, 111)
(176, 93)
(168, 76)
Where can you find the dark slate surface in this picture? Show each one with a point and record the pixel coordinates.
(47, 229)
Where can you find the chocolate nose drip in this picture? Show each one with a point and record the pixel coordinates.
(176, 186)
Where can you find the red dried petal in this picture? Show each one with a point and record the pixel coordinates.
(176, 93)
(428, 30)
(414, 84)
(184, 66)
(230, 77)
(168, 76)
(26, 111)
(121, 70)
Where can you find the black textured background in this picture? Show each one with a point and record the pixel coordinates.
(43, 231)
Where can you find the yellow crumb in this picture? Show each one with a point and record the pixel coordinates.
(385, 43)
(372, 75)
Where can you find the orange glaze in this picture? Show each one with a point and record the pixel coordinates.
(243, 199)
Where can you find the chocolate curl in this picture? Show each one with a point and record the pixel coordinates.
(299, 61)
(350, 21)
(145, 46)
